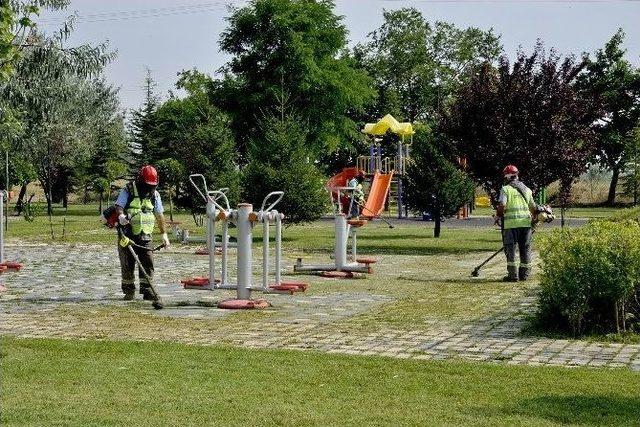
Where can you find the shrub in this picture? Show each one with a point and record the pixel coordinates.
(591, 278)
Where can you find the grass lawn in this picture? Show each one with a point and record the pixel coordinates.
(81, 225)
(62, 382)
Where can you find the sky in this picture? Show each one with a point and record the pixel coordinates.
(167, 36)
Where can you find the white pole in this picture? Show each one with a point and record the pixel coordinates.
(265, 250)
(244, 251)
(2, 193)
(278, 246)
(340, 249)
(211, 242)
(354, 254)
(225, 249)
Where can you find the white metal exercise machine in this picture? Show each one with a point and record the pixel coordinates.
(343, 228)
(245, 219)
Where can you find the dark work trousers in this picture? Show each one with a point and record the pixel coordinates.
(520, 238)
(128, 264)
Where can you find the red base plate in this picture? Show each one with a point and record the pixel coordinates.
(197, 282)
(243, 304)
(291, 287)
(338, 274)
(11, 266)
(366, 261)
(206, 251)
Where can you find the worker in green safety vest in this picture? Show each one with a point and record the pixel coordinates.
(139, 208)
(516, 208)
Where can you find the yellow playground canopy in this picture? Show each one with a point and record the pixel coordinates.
(386, 123)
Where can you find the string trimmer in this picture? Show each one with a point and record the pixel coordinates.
(544, 214)
(126, 242)
(109, 217)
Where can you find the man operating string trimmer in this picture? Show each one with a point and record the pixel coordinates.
(138, 208)
(518, 212)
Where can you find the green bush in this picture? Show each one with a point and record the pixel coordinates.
(591, 278)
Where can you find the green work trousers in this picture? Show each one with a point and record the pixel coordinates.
(520, 239)
(128, 265)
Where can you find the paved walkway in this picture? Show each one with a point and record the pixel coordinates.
(73, 292)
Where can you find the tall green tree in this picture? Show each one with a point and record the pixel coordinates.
(279, 161)
(142, 147)
(435, 184)
(616, 83)
(61, 109)
(417, 64)
(300, 46)
(193, 131)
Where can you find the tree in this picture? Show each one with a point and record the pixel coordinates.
(279, 161)
(61, 109)
(417, 65)
(530, 115)
(171, 176)
(193, 131)
(141, 128)
(298, 45)
(434, 183)
(101, 186)
(616, 84)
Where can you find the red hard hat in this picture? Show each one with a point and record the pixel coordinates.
(510, 170)
(149, 175)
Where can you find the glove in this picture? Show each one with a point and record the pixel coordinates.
(122, 219)
(165, 240)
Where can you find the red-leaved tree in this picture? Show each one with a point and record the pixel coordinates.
(528, 114)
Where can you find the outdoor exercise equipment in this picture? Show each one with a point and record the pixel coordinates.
(394, 165)
(344, 228)
(4, 264)
(245, 218)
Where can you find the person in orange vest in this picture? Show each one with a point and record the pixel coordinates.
(517, 209)
(139, 208)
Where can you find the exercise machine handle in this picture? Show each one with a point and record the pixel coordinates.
(192, 178)
(279, 194)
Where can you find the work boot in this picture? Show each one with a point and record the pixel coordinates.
(129, 296)
(509, 279)
(147, 293)
(523, 274)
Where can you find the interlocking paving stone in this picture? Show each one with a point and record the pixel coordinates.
(40, 301)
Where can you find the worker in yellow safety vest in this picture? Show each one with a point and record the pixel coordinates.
(516, 208)
(138, 208)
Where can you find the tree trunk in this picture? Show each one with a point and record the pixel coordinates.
(436, 230)
(20, 201)
(611, 198)
(100, 204)
(65, 196)
(170, 207)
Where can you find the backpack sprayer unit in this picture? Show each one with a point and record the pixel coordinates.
(543, 214)
(244, 219)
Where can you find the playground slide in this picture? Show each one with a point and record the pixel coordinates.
(342, 178)
(377, 195)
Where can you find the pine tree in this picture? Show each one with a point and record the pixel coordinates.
(141, 128)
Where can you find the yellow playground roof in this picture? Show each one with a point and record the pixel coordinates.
(386, 123)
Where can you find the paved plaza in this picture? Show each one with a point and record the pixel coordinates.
(73, 291)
